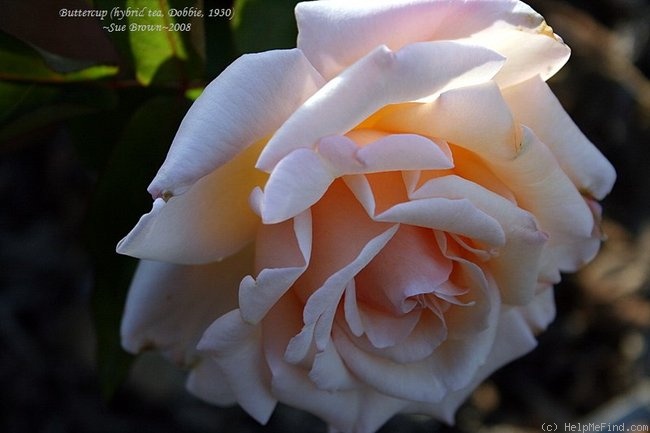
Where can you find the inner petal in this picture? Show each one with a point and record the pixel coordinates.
(411, 264)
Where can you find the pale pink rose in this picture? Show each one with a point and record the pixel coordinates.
(370, 223)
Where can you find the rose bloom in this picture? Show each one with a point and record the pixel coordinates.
(370, 223)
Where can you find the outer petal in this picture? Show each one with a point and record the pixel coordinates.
(247, 102)
(534, 105)
(416, 71)
(207, 381)
(236, 347)
(334, 34)
(542, 188)
(169, 306)
(211, 221)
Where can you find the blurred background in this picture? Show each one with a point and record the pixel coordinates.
(86, 117)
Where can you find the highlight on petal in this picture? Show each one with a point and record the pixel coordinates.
(209, 222)
(462, 117)
(334, 34)
(416, 71)
(535, 106)
(246, 103)
(169, 306)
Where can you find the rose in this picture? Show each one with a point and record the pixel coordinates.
(370, 223)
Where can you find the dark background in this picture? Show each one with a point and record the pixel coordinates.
(62, 211)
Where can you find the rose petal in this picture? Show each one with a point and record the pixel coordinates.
(411, 264)
(416, 71)
(303, 176)
(524, 242)
(284, 250)
(421, 341)
(462, 117)
(513, 339)
(236, 347)
(321, 307)
(169, 306)
(542, 188)
(457, 216)
(246, 103)
(297, 182)
(211, 221)
(364, 150)
(359, 410)
(206, 381)
(535, 106)
(334, 34)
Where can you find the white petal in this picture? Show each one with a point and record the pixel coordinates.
(236, 348)
(169, 306)
(246, 103)
(542, 188)
(382, 77)
(334, 34)
(534, 105)
(473, 117)
(206, 380)
(297, 182)
(209, 222)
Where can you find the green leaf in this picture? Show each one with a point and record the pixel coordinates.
(20, 62)
(154, 39)
(261, 25)
(120, 199)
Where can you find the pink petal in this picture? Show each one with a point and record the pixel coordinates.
(516, 266)
(583, 163)
(334, 34)
(169, 306)
(283, 251)
(246, 103)
(321, 307)
(212, 220)
(414, 72)
(411, 264)
(236, 348)
(417, 345)
(354, 409)
(513, 339)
